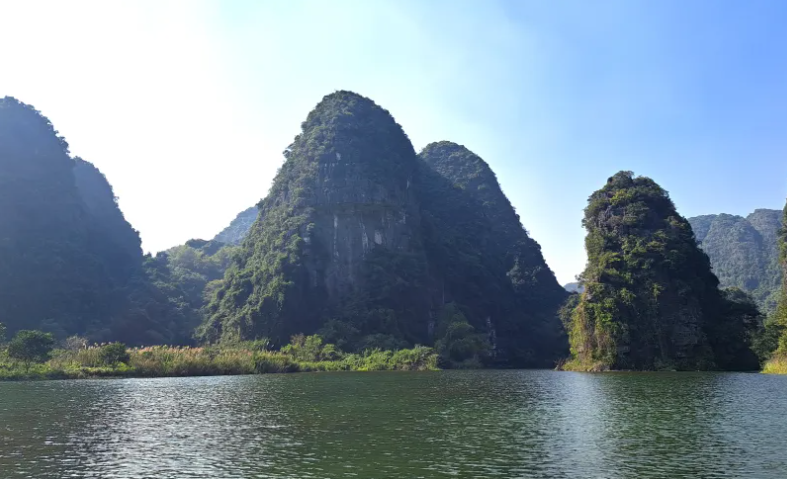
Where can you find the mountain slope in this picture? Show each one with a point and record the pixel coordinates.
(239, 228)
(69, 261)
(744, 252)
(48, 275)
(484, 259)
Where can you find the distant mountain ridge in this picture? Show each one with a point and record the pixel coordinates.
(237, 230)
(744, 252)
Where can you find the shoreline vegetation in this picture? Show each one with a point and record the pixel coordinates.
(776, 365)
(77, 360)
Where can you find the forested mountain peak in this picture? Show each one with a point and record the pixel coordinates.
(43, 223)
(484, 260)
(475, 178)
(372, 246)
(468, 171)
(28, 126)
(651, 300)
(69, 261)
(340, 202)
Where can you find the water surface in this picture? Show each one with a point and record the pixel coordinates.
(507, 424)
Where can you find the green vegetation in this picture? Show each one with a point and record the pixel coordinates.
(777, 323)
(362, 248)
(368, 244)
(45, 245)
(237, 230)
(744, 252)
(650, 300)
(304, 354)
(309, 258)
(483, 260)
(458, 344)
(359, 239)
(72, 264)
(31, 346)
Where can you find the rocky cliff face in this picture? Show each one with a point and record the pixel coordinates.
(650, 298)
(237, 230)
(369, 244)
(339, 220)
(744, 252)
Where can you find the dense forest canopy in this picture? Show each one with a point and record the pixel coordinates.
(744, 252)
(651, 300)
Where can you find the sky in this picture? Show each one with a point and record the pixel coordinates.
(186, 106)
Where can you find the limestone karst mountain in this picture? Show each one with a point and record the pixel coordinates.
(651, 300)
(744, 252)
(366, 242)
(69, 261)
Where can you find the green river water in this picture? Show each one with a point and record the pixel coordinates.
(450, 424)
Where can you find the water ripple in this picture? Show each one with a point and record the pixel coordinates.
(507, 424)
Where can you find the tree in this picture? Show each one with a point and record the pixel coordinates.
(114, 353)
(31, 346)
(458, 343)
(780, 317)
(2, 333)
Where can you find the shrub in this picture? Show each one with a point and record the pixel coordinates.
(113, 353)
(31, 346)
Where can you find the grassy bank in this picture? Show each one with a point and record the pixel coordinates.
(577, 365)
(248, 358)
(776, 365)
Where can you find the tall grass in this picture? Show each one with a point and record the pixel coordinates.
(776, 365)
(242, 358)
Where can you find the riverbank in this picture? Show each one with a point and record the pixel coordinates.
(776, 365)
(171, 361)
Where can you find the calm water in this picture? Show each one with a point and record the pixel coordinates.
(507, 424)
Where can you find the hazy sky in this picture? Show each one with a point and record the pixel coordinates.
(187, 106)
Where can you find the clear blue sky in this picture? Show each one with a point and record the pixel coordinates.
(186, 106)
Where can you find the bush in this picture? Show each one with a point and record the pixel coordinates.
(310, 348)
(31, 346)
(458, 344)
(114, 353)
